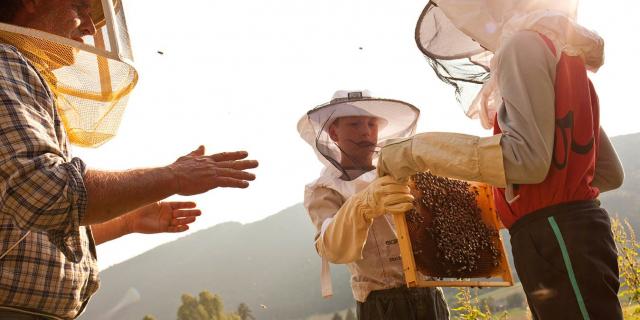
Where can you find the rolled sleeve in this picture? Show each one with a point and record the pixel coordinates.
(41, 188)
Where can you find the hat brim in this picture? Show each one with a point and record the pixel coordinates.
(97, 12)
(395, 115)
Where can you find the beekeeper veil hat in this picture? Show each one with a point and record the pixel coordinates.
(396, 119)
(462, 38)
(91, 81)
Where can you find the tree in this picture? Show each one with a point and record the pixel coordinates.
(336, 316)
(232, 316)
(207, 306)
(349, 315)
(245, 313)
(212, 304)
(191, 309)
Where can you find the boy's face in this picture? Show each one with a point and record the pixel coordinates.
(357, 137)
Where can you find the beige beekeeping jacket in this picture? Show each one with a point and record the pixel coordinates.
(371, 253)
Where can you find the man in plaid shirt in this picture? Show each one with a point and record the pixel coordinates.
(53, 209)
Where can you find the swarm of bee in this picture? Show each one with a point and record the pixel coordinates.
(448, 235)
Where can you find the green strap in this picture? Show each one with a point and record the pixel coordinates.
(567, 263)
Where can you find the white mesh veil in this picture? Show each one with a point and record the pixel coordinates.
(91, 81)
(397, 119)
(460, 39)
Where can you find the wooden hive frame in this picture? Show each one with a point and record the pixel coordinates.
(489, 216)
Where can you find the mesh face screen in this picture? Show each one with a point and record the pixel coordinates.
(91, 81)
(396, 119)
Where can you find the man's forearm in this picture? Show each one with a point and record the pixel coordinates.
(112, 194)
(110, 230)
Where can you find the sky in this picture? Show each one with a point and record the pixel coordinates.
(238, 75)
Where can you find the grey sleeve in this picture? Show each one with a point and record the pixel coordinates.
(526, 80)
(609, 173)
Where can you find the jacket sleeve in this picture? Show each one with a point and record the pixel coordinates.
(521, 154)
(609, 173)
(526, 81)
(342, 233)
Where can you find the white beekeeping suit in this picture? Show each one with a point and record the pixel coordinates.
(369, 248)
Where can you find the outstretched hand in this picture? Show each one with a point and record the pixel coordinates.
(158, 217)
(196, 172)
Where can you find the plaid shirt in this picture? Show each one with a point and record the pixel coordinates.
(54, 269)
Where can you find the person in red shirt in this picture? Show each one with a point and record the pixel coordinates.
(548, 158)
